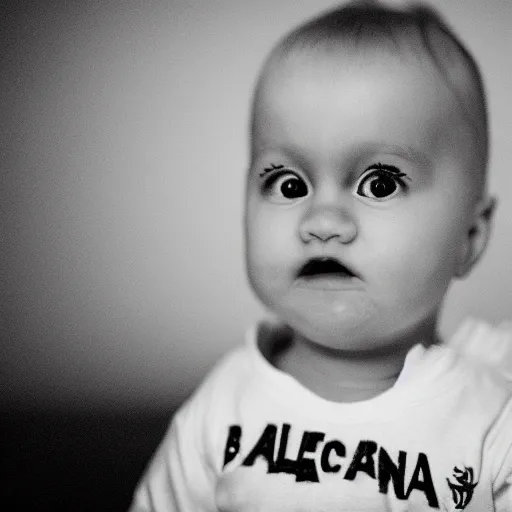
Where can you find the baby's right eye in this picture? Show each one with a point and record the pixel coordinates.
(285, 186)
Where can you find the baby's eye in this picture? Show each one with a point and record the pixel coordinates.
(284, 186)
(381, 183)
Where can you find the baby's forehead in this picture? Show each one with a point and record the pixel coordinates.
(333, 66)
(386, 82)
(346, 39)
(336, 68)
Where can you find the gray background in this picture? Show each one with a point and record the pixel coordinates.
(123, 154)
(123, 149)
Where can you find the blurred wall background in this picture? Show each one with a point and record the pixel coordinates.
(123, 142)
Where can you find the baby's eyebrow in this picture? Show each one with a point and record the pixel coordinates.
(364, 150)
(407, 152)
(272, 167)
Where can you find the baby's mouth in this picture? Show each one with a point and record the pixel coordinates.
(325, 267)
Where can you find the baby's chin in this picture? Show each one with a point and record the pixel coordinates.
(345, 339)
(346, 320)
(345, 330)
(363, 327)
(359, 330)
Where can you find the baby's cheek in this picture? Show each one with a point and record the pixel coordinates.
(420, 286)
(412, 273)
(271, 245)
(266, 269)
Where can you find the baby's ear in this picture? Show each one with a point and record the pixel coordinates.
(477, 236)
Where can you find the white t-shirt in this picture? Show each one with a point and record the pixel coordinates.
(252, 438)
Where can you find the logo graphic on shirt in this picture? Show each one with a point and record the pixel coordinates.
(463, 488)
(318, 456)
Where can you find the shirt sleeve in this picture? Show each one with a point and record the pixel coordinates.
(179, 477)
(183, 474)
(503, 481)
(503, 491)
(486, 344)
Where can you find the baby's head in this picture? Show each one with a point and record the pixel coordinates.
(366, 194)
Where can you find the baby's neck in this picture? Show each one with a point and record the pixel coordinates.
(346, 376)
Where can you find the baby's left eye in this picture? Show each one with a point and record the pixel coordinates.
(381, 184)
(285, 186)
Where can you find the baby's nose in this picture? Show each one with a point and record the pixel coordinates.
(326, 223)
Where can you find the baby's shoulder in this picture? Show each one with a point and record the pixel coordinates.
(226, 374)
(221, 385)
(486, 347)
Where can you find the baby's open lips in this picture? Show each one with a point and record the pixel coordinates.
(325, 267)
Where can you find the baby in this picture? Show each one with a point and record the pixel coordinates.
(366, 196)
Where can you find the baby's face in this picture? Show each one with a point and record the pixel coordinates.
(367, 164)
